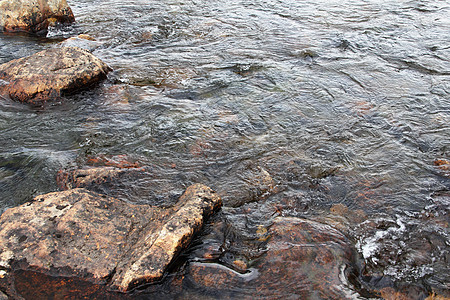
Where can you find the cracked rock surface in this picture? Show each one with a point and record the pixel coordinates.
(50, 73)
(33, 16)
(82, 234)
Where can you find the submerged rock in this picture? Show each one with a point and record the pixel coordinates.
(50, 73)
(118, 179)
(33, 16)
(83, 41)
(304, 259)
(99, 239)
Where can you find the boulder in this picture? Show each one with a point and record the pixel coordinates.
(33, 16)
(304, 260)
(50, 73)
(98, 239)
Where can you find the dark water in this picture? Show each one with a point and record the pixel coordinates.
(341, 102)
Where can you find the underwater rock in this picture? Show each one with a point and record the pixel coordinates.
(304, 259)
(98, 239)
(33, 16)
(83, 41)
(119, 179)
(251, 184)
(92, 177)
(50, 73)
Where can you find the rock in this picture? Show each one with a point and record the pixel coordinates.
(33, 16)
(83, 41)
(443, 166)
(304, 260)
(91, 177)
(98, 239)
(156, 186)
(50, 73)
(252, 184)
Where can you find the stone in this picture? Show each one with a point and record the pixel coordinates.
(92, 177)
(304, 260)
(83, 41)
(98, 239)
(443, 166)
(118, 179)
(33, 16)
(50, 74)
(253, 184)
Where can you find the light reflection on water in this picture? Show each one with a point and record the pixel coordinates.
(341, 102)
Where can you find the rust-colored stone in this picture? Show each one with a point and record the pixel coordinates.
(304, 260)
(98, 239)
(90, 176)
(443, 166)
(50, 73)
(33, 16)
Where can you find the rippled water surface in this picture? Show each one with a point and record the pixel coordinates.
(346, 104)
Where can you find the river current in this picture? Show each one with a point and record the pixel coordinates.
(346, 104)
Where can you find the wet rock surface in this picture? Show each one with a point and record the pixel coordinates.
(33, 16)
(304, 260)
(97, 239)
(83, 41)
(50, 73)
(113, 180)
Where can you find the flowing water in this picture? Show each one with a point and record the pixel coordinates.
(346, 104)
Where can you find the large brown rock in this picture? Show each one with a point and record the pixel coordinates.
(102, 240)
(304, 260)
(50, 73)
(33, 16)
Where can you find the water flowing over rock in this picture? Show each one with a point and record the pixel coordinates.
(83, 41)
(33, 16)
(50, 73)
(304, 259)
(88, 236)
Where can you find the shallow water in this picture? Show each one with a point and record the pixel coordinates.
(341, 102)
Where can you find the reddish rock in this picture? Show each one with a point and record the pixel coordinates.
(443, 166)
(98, 239)
(304, 260)
(33, 16)
(91, 177)
(50, 73)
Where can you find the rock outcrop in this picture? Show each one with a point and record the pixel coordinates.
(304, 260)
(50, 73)
(99, 239)
(33, 16)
